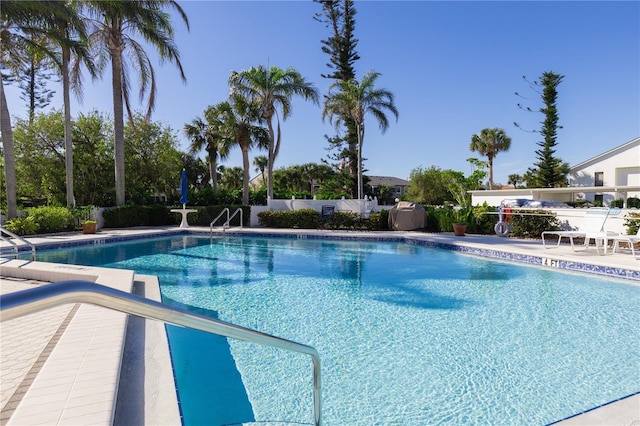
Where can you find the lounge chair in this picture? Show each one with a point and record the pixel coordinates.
(590, 228)
(629, 239)
(326, 215)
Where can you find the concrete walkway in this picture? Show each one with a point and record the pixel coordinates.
(62, 366)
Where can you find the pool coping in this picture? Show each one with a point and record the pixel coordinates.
(619, 265)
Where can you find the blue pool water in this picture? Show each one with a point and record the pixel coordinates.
(407, 334)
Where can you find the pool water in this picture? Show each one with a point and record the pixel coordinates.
(407, 334)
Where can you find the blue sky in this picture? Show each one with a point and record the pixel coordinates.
(453, 66)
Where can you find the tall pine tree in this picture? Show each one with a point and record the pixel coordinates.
(549, 171)
(339, 17)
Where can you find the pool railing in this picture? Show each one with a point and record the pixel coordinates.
(20, 303)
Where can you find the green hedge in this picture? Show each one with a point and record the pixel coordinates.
(310, 219)
(42, 220)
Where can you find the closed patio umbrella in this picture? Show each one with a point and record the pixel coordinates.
(183, 189)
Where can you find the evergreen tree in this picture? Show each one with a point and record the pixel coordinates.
(35, 74)
(339, 16)
(550, 171)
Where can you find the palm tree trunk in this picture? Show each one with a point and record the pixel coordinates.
(118, 124)
(490, 173)
(213, 173)
(360, 141)
(9, 158)
(68, 141)
(271, 158)
(245, 176)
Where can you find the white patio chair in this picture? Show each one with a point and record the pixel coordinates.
(591, 227)
(629, 239)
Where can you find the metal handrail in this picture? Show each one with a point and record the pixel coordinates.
(232, 216)
(226, 209)
(14, 305)
(19, 238)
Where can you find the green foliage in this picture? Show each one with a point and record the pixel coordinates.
(378, 221)
(152, 161)
(483, 222)
(52, 219)
(22, 225)
(434, 186)
(310, 219)
(125, 216)
(549, 171)
(632, 222)
(632, 202)
(93, 167)
(128, 216)
(533, 226)
(40, 168)
(302, 219)
(208, 197)
(427, 186)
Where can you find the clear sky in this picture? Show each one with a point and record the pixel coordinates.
(453, 66)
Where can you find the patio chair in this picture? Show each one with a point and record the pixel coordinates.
(326, 215)
(631, 240)
(590, 228)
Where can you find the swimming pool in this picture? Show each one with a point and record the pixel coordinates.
(407, 334)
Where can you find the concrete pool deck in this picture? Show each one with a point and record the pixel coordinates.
(68, 365)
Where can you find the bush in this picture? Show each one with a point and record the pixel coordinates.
(633, 202)
(533, 226)
(125, 217)
(632, 222)
(378, 221)
(483, 221)
(302, 219)
(22, 225)
(52, 219)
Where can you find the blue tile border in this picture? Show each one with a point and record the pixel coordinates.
(594, 408)
(565, 265)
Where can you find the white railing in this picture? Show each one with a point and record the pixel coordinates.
(14, 305)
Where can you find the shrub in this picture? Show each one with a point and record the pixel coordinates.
(483, 221)
(303, 218)
(633, 202)
(533, 226)
(52, 219)
(632, 222)
(618, 202)
(125, 217)
(22, 225)
(378, 221)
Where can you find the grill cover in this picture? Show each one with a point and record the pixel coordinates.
(406, 216)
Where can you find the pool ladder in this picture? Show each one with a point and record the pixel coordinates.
(20, 303)
(225, 225)
(14, 244)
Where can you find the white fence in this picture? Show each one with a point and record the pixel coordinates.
(362, 207)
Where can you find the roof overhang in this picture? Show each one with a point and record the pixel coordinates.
(622, 189)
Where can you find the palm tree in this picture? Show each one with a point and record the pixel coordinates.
(117, 22)
(206, 135)
(71, 79)
(261, 162)
(355, 99)
(237, 117)
(489, 142)
(26, 25)
(272, 89)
